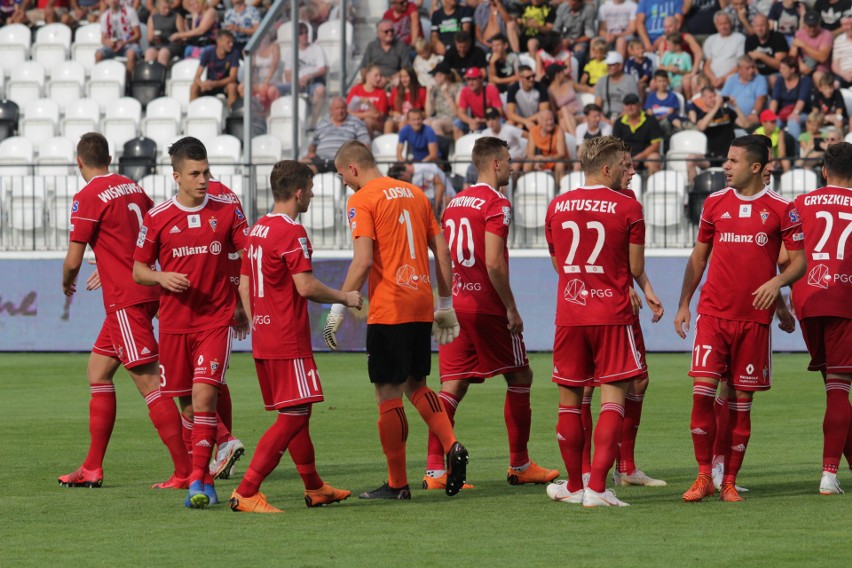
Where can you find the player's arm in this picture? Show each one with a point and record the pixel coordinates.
(653, 301)
(695, 267)
(359, 269)
(498, 273)
(147, 276)
(636, 257)
(311, 288)
(71, 267)
(766, 296)
(445, 328)
(245, 295)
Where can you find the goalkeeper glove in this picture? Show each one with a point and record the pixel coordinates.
(446, 327)
(332, 324)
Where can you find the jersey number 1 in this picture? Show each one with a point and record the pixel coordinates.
(255, 255)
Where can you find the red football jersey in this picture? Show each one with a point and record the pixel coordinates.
(107, 214)
(826, 290)
(216, 187)
(746, 235)
(589, 231)
(194, 241)
(276, 249)
(472, 213)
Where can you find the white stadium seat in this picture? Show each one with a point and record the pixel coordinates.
(15, 41)
(280, 121)
(162, 120)
(66, 83)
(224, 153)
(265, 152)
(798, 181)
(665, 218)
(159, 187)
(107, 83)
(122, 119)
(26, 83)
(52, 45)
(384, 150)
(462, 154)
(180, 80)
(56, 157)
(16, 156)
(87, 40)
(59, 207)
(532, 194)
(40, 121)
(81, 116)
(204, 118)
(25, 207)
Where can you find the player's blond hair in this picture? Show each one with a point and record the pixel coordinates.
(601, 151)
(354, 152)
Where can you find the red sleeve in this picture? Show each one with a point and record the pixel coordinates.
(148, 242)
(351, 94)
(245, 265)
(298, 254)
(498, 217)
(706, 227)
(85, 218)
(636, 224)
(791, 228)
(239, 230)
(548, 235)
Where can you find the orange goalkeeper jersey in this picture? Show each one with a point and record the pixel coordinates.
(398, 218)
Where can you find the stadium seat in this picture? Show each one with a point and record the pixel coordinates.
(66, 83)
(224, 153)
(664, 208)
(16, 156)
(107, 83)
(25, 207)
(40, 121)
(148, 82)
(798, 181)
(162, 120)
(384, 150)
(571, 181)
(705, 183)
(329, 40)
(532, 194)
(52, 45)
(81, 116)
(654, 59)
(688, 142)
(122, 119)
(204, 118)
(234, 182)
(9, 116)
(26, 82)
(159, 187)
(87, 40)
(285, 34)
(60, 201)
(847, 99)
(265, 152)
(462, 155)
(324, 215)
(15, 41)
(56, 158)
(682, 102)
(280, 121)
(182, 76)
(587, 98)
(138, 158)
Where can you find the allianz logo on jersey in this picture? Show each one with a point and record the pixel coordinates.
(214, 249)
(759, 239)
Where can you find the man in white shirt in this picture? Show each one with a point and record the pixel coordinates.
(512, 135)
(721, 51)
(312, 71)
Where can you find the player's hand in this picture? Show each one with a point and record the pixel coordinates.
(635, 301)
(93, 282)
(682, 320)
(786, 321)
(353, 299)
(446, 327)
(332, 324)
(766, 295)
(173, 281)
(656, 306)
(516, 324)
(241, 323)
(70, 288)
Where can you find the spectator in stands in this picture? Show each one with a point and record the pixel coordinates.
(811, 141)
(828, 101)
(562, 96)
(405, 19)
(617, 23)
(447, 21)
(638, 66)
(407, 95)
(526, 99)
(428, 177)
(120, 34)
(491, 19)
(698, 17)
(162, 24)
(503, 65)
(641, 132)
(512, 135)
(80, 11)
(717, 117)
(463, 55)
(831, 12)
(313, 70)
(331, 133)
(552, 51)
(575, 22)
(421, 139)
(664, 104)
(266, 83)
(536, 17)
(791, 97)
(676, 62)
(441, 102)
(368, 101)
(784, 17)
(812, 46)
(221, 61)
(202, 23)
(748, 89)
(594, 125)
(741, 12)
(766, 47)
(650, 19)
(425, 61)
(841, 54)
(595, 68)
(769, 128)
(242, 21)
(546, 146)
(387, 52)
(690, 46)
(612, 89)
(721, 51)
(474, 98)
(46, 11)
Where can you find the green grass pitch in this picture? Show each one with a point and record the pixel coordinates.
(43, 419)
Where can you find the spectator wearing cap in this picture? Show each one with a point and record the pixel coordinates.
(748, 88)
(611, 90)
(841, 54)
(474, 98)
(512, 135)
(421, 139)
(812, 47)
(721, 51)
(769, 128)
(386, 51)
(546, 146)
(640, 131)
(442, 100)
(463, 55)
(525, 99)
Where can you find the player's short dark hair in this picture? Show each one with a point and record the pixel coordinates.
(93, 150)
(287, 177)
(486, 149)
(187, 148)
(601, 151)
(355, 152)
(396, 170)
(838, 160)
(756, 147)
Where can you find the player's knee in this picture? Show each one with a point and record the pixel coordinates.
(520, 378)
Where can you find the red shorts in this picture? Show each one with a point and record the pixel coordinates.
(829, 341)
(288, 382)
(186, 358)
(603, 353)
(739, 351)
(127, 335)
(639, 340)
(484, 348)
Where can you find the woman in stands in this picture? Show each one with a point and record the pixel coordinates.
(563, 97)
(404, 97)
(202, 23)
(552, 51)
(162, 24)
(368, 101)
(791, 96)
(441, 100)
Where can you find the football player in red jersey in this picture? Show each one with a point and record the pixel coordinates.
(744, 224)
(276, 283)
(189, 236)
(106, 214)
(476, 226)
(821, 302)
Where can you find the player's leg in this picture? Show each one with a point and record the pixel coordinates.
(722, 440)
(452, 393)
(739, 409)
(317, 492)
(517, 414)
(588, 428)
(606, 435)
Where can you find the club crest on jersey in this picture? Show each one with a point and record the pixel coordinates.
(75, 206)
(214, 365)
(794, 216)
(193, 221)
(507, 215)
(745, 210)
(212, 221)
(764, 215)
(351, 214)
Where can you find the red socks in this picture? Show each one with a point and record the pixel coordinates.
(518, 416)
(835, 424)
(740, 421)
(186, 432)
(224, 408)
(203, 438)
(722, 441)
(629, 430)
(101, 422)
(606, 435)
(271, 447)
(569, 435)
(435, 453)
(393, 433)
(301, 450)
(166, 419)
(703, 426)
(588, 426)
